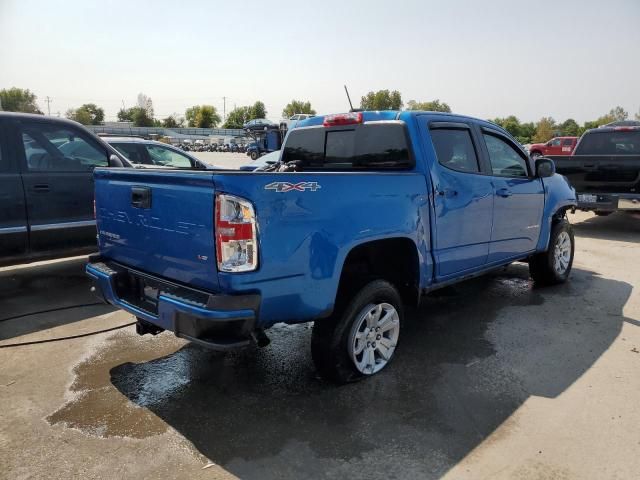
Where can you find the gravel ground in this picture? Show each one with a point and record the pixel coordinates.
(221, 159)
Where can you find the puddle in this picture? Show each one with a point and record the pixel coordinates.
(97, 408)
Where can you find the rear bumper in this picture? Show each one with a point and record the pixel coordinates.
(609, 202)
(219, 322)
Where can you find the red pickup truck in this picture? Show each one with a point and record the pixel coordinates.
(555, 146)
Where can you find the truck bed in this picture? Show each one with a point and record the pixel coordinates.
(601, 174)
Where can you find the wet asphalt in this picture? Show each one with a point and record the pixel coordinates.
(468, 358)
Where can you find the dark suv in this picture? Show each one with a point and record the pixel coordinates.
(46, 186)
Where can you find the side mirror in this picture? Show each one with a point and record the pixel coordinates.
(114, 161)
(545, 168)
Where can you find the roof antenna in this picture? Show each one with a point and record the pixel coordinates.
(348, 98)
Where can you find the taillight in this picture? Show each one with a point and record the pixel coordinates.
(235, 230)
(352, 118)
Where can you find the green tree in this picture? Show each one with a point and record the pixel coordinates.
(238, 117)
(258, 110)
(511, 124)
(18, 100)
(80, 116)
(173, 121)
(527, 131)
(146, 104)
(87, 114)
(190, 115)
(544, 129)
(382, 100)
(138, 115)
(124, 115)
(432, 106)
(207, 117)
(241, 115)
(569, 128)
(618, 114)
(615, 114)
(202, 116)
(297, 106)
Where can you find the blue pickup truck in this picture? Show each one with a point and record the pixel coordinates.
(365, 212)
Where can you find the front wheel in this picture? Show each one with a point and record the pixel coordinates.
(360, 339)
(254, 155)
(554, 265)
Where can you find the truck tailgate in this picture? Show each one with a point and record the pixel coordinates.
(601, 173)
(159, 222)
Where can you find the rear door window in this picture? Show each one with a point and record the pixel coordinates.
(374, 146)
(567, 142)
(454, 149)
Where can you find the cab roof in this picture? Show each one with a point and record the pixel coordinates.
(386, 115)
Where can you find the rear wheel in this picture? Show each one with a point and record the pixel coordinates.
(254, 155)
(554, 265)
(360, 339)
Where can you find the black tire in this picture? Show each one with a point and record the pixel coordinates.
(330, 336)
(254, 155)
(541, 266)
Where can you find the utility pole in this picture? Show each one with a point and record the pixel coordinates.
(224, 109)
(48, 100)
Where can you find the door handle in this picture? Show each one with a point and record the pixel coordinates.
(41, 187)
(447, 192)
(503, 192)
(141, 197)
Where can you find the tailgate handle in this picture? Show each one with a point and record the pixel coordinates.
(141, 197)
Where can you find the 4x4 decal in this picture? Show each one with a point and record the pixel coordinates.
(283, 187)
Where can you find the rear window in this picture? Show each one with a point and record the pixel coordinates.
(373, 146)
(610, 143)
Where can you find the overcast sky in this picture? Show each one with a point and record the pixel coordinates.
(486, 59)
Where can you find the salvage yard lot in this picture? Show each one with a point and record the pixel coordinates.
(495, 379)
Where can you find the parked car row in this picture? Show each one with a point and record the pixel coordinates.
(214, 147)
